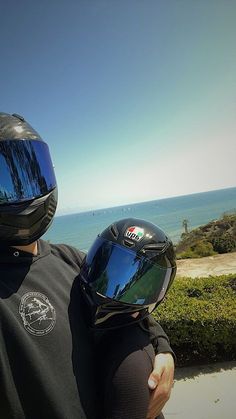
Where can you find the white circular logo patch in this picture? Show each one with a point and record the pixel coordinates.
(37, 313)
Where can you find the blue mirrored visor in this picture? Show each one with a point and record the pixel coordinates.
(26, 170)
(118, 273)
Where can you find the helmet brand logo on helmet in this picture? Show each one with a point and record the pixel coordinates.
(135, 233)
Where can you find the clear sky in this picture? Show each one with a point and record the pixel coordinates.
(136, 98)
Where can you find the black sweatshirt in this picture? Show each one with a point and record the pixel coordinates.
(46, 351)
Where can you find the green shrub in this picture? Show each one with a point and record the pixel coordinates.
(188, 254)
(204, 248)
(224, 243)
(199, 316)
(201, 249)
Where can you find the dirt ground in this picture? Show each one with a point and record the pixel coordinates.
(211, 265)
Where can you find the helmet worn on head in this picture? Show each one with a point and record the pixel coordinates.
(28, 190)
(127, 272)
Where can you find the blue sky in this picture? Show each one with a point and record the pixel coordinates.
(135, 98)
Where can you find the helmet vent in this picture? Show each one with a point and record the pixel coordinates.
(158, 247)
(128, 243)
(16, 115)
(114, 231)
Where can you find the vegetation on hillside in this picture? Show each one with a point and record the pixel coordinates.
(218, 236)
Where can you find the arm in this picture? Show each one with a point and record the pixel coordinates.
(161, 378)
(126, 392)
(126, 359)
(158, 337)
(161, 382)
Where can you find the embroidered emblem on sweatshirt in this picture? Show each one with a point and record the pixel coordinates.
(37, 313)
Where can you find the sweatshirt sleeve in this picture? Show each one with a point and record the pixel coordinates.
(158, 337)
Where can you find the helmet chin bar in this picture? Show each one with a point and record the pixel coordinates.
(103, 318)
(109, 314)
(23, 224)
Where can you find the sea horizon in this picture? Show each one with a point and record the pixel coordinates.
(81, 211)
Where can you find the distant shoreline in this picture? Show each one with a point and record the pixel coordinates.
(75, 211)
(223, 264)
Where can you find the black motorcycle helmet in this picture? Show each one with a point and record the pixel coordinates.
(28, 190)
(128, 270)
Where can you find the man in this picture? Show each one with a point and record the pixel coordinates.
(46, 351)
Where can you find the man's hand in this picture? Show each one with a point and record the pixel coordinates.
(161, 382)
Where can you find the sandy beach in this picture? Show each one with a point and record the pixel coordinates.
(212, 265)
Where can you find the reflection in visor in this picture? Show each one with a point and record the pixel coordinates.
(26, 170)
(118, 273)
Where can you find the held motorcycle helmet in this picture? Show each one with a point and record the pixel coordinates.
(127, 272)
(28, 190)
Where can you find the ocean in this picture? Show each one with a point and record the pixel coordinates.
(81, 229)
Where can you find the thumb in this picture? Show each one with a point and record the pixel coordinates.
(154, 378)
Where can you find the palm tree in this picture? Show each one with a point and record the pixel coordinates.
(185, 225)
